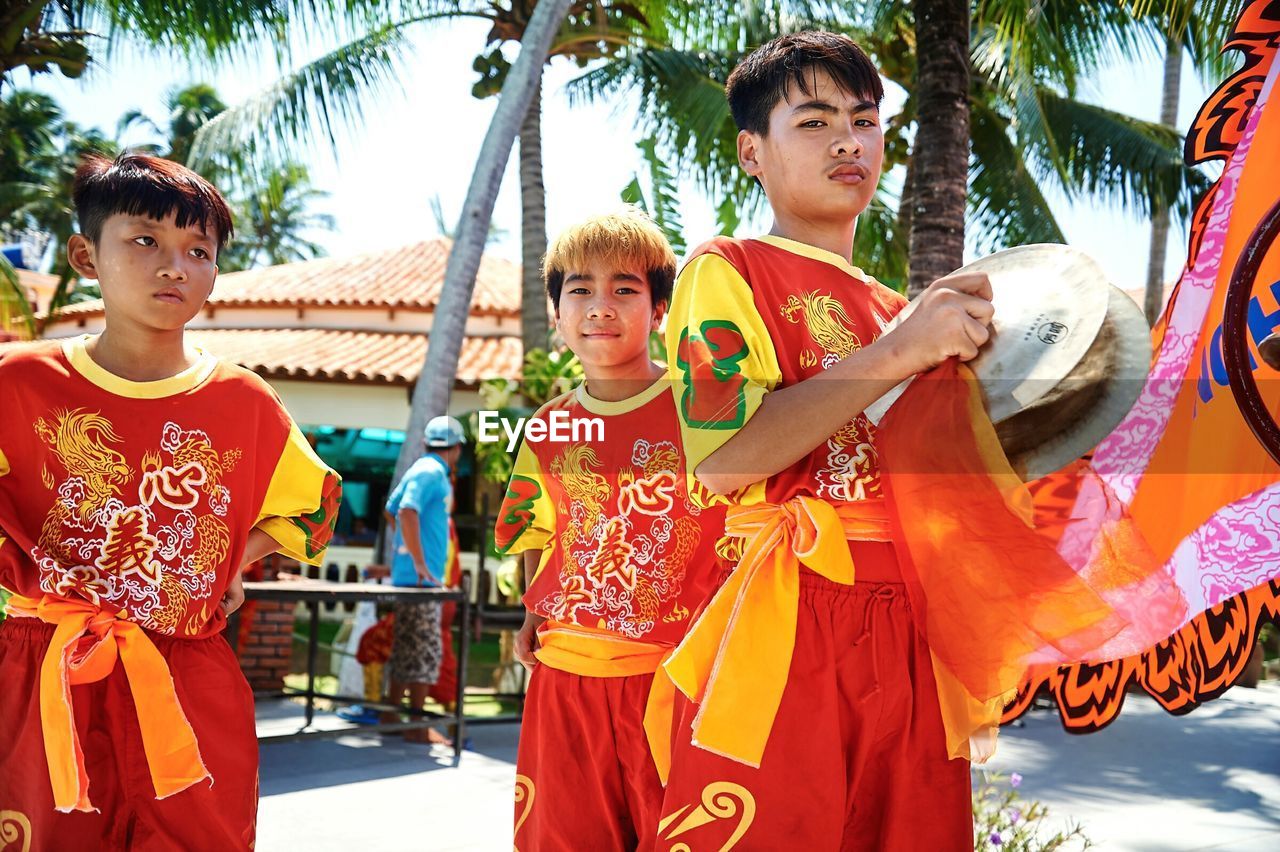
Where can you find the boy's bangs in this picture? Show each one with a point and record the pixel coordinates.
(146, 198)
(852, 79)
(764, 78)
(139, 185)
(615, 240)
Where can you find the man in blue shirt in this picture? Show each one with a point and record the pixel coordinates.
(418, 514)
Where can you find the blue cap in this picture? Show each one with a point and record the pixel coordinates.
(443, 431)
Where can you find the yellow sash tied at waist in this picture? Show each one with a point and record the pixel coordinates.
(592, 653)
(735, 660)
(86, 643)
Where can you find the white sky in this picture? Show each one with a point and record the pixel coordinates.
(423, 143)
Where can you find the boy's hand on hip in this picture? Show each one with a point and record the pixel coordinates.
(951, 319)
(527, 641)
(233, 597)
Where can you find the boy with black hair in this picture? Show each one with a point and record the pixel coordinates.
(813, 719)
(138, 476)
(619, 549)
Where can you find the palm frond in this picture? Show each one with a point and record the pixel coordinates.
(1202, 26)
(878, 247)
(1134, 164)
(1054, 42)
(13, 300)
(683, 108)
(316, 100)
(663, 203)
(239, 29)
(1006, 205)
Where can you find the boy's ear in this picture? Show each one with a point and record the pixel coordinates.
(659, 311)
(747, 153)
(80, 254)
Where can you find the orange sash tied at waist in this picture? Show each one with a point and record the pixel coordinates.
(86, 643)
(592, 653)
(735, 660)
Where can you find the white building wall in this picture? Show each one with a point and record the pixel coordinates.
(354, 406)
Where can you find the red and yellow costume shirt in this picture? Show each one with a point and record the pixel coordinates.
(124, 508)
(732, 342)
(628, 549)
(138, 497)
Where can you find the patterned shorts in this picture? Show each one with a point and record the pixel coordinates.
(416, 648)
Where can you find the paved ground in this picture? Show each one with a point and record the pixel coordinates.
(1149, 783)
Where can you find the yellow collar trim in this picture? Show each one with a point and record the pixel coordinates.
(76, 351)
(622, 406)
(814, 253)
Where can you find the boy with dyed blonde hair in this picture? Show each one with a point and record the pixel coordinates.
(619, 550)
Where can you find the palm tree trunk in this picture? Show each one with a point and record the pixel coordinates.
(449, 323)
(533, 227)
(941, 149)
(906, 204)
(1154, 301)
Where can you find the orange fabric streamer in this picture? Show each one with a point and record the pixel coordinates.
(735, 660)
(990, 593)
(86, 644)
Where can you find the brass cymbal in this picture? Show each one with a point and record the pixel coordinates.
(1050, 302)
(1066, 360)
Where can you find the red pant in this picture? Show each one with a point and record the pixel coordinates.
(584, 776)
(445, 689)
(857, 757)
(218, 704)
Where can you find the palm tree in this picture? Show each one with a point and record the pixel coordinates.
(52, 210)
(941, 151)
(40, 36)
(1202, 31)
(30, 125)
(272, 219)
(448, 326)
(189, 109)
(1154, 293)
(43, 35)
(592, 29)
(1027, 128)
(316, 98)
(270, 205)
(39, 153)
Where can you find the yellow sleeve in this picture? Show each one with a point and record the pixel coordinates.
(527, 519)
(722, 358)
(301, 505)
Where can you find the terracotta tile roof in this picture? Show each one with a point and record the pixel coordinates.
(37, 280)
(407, 278)
(354, 356)
(359, 357)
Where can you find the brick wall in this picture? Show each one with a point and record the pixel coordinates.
(266, 630)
